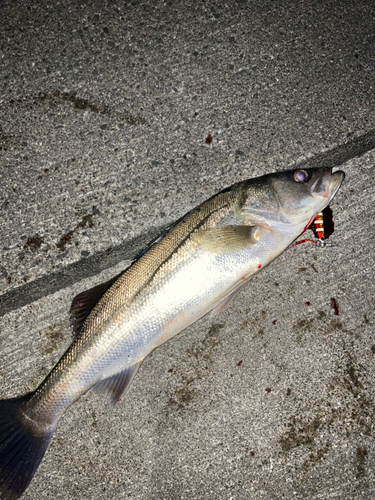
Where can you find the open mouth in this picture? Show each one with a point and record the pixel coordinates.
(328, 183)
(336, 181)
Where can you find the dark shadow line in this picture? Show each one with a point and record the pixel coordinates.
(342, 153)
(96, 263)
(84, 268)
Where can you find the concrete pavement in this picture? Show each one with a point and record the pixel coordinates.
(116, 119)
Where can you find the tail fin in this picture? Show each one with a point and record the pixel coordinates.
(20, 451)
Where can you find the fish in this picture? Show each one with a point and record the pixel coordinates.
(196, 266)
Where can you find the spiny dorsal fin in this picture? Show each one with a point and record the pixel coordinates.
(223, 239)
(116, 387)
(84, 302)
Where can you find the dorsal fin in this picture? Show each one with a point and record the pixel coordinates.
(149, 265)
(84, 302)
(154, 241)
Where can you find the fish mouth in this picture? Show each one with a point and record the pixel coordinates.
(328, 183)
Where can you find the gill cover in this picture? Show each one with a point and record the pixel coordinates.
(286, 201)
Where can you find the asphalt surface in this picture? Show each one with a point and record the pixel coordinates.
(116, 118)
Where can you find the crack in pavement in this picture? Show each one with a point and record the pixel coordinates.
(90, 266)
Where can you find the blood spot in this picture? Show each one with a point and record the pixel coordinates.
(335, 306)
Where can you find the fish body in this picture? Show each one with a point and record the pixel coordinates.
(198, 265)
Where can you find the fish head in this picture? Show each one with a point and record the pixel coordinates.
(287, 201)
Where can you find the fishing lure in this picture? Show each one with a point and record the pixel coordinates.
(322, 226)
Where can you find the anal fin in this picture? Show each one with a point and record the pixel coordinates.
(117, 386)
(224, 302)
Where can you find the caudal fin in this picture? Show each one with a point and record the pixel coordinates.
(20, 451)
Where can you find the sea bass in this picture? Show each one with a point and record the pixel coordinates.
(197, 265)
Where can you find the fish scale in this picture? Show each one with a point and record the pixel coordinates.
(197, 265)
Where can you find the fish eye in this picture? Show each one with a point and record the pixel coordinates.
(301, 176)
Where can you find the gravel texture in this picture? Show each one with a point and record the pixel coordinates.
(116, 119)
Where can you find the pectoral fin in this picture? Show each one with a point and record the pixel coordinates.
(117, 386)
(224, 239)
